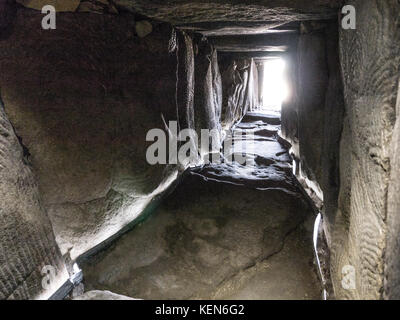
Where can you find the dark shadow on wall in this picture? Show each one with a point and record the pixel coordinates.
(8, 10)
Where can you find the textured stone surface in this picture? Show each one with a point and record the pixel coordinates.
(220, 235)
(272, 42)
(354, 175)
(258, 56)
(392, 268)
(240, 84)
(83, 109)
(333, 126)
(267, 165)
(143, 28)
(207, 90)
(82, 98)
(27, 242)
(59, 5)
(183, 11)
(370, 65)
(77, 115)
(210, 29)
(102, 295)
(312, 86)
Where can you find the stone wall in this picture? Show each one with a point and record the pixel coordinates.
(370, 59)
(392, 267)
(348, 157)
(208, 89)
(27, 243)
(83, 102)
(7, 15)
(83, 97)
(312, 117)
(240, 89)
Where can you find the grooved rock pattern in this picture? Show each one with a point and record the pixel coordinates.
(370, 57)
(27, 242)
(392, 269)
(352, 162)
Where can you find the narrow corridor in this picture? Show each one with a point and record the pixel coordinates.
(227, 232)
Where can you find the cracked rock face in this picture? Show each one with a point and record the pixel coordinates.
(184, 11)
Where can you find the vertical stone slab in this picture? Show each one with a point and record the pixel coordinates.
(208, 89)
(236, 96)
(251, 97)
(312, 119)
(217, 86)
(311, 99)
(27, 242)
(289, 112)
(82, 102)
(392, 267)
(185, 80)
(370, 65)
(333, 126)
(260, 69)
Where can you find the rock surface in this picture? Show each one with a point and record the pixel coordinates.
(27, 242)
(274, 42)
(214, 239)
(347, 154)
(59, 5)
(183, 11)
(392, 279)
(83, 109)
(79, 100)
(312, 119)
(81, 127)
(143, 28)
(240, 94)
(102, 295)
(7, 15)
(370, 58)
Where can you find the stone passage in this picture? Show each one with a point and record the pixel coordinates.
(78, 102)
(227, 232)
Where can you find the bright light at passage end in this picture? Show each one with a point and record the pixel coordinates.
(275, 87)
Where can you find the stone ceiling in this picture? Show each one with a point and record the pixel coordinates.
(193, 11)
(233, 17)
(274, 42)
(252, 15)
(232, 25)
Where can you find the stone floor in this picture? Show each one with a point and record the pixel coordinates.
(227, 232)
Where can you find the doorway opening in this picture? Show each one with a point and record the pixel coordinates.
(275, 87)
